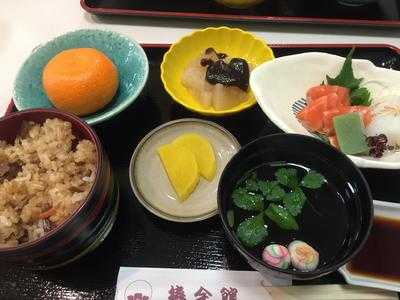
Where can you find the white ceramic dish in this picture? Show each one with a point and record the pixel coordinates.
(150, 182)
(279, 83)
(385, 209)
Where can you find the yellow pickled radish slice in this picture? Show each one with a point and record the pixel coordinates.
(202, 150)
(181, 167)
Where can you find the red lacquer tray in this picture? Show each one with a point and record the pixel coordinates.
(377, 13)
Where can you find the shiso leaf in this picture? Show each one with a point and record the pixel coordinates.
(252, 231)
(361, 96)
(346, 76)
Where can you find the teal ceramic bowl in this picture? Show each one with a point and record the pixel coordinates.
(126, 54)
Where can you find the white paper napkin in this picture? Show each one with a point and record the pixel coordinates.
(183, 284)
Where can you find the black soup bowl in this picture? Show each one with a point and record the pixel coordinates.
(335, 220)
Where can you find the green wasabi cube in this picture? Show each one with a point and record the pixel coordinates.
(350, 133)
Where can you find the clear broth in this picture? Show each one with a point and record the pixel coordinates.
(323, 225)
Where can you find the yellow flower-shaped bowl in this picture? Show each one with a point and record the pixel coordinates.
(232, 41)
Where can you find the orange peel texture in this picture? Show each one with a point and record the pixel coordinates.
(80, 81)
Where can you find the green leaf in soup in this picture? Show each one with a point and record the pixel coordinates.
(247, 200)
(287, 177)
(253, 231)
(294, 201)
(251, 183)
(346, 76)
(271, 190)
(360, 96)
(281, 217)
(313, 180)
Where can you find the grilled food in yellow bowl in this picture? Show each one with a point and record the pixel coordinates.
(232, 41)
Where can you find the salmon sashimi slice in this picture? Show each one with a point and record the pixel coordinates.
(328, 116)
(343, 94)
(312, 116)
(324, 90)
(315, 93)
(333, 101)
(324, 103)
(365, 112)
(319, 113)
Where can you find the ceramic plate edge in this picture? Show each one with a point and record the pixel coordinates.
(135, 189)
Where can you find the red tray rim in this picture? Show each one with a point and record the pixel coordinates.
(11, 106)
(230, 17)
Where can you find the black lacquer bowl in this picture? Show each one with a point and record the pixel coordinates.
(88, 226)
(343, 222)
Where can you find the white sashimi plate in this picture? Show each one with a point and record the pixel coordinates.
(277, 84)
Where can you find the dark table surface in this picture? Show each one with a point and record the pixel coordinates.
(140, 239)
